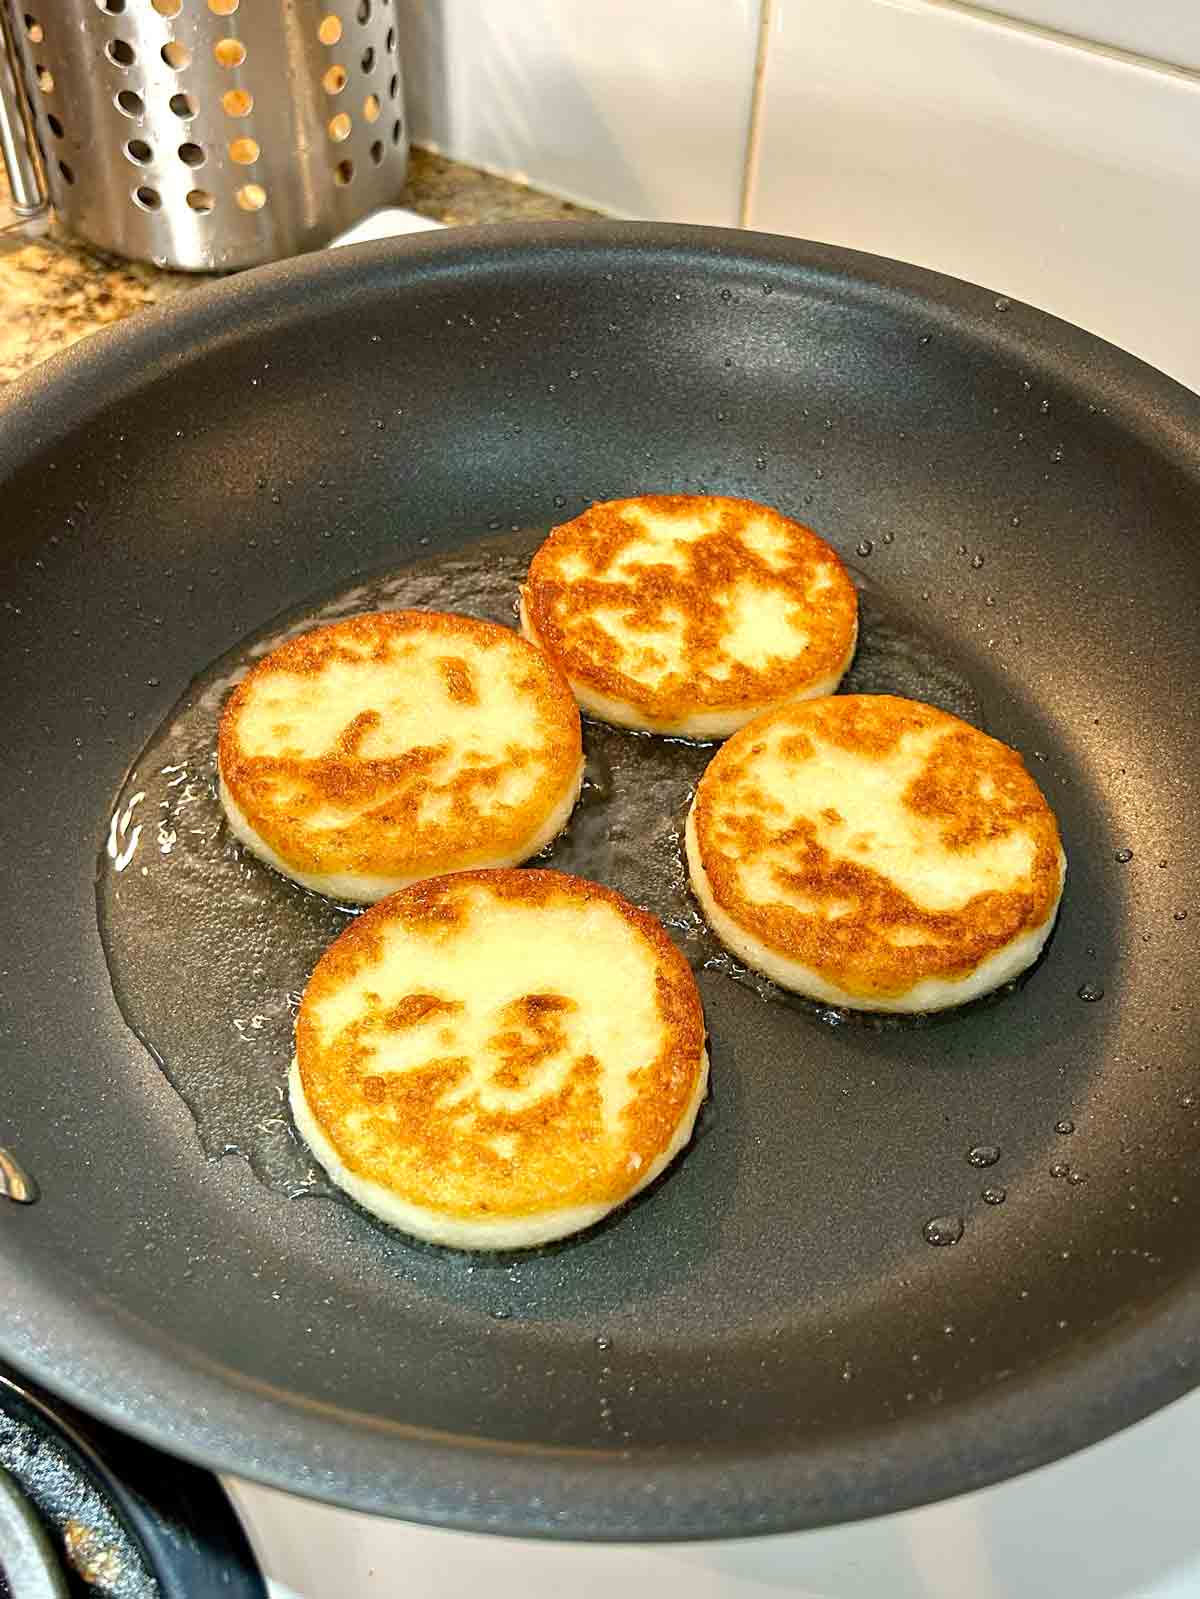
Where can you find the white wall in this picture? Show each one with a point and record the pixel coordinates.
(1049, 149)
(1163, 30)
(640, 107)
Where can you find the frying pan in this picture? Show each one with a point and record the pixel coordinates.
(767, 1340)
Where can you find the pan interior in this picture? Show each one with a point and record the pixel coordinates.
(1019, 502)
(171, 876)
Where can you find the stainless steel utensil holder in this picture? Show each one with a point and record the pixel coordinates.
(212, 134)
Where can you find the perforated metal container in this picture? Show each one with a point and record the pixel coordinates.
(213, 134)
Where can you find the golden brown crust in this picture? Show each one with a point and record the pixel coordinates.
(343, 812)
(454, 1156)
(561, 606)
(857, 928)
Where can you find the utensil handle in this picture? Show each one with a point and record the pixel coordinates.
(16, 130)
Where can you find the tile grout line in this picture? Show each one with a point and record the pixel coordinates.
(750, 163)
(1059, 36)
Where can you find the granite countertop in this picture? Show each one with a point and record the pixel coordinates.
(55, 290)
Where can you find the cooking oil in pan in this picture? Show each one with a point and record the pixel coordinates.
(209, 950)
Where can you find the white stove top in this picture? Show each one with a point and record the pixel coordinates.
(1117, 1521)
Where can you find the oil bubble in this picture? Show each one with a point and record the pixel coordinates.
(943, 1230)
(983, 1155)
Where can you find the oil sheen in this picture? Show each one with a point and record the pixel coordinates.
(209, 950)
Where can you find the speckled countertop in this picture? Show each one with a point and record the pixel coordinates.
(55, 290)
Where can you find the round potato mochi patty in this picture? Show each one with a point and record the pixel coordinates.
(495, 1059)
(690, 614)
(396, 745)
(876, 853)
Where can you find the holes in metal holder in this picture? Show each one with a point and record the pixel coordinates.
(329, 30)
(390, 43)
(120, 53)
(114, 8)
(167, 8)
(393, 86)
(149, 199)
(343, 173)
(377, 151)
(223, 8)
(243, 151)
(56, 127)
(229, 52)
(371, 108)
(139, 152)
(183, 105)
(192, 155)
(397, 129)
(339, 127)
(363, 13)
(368, 60)
(67, 175)
(45, 78)
(130, 104)
(200, 200)
(251, 196)
(334, 80)
(237, 102)
(176, 55)
(34, 29)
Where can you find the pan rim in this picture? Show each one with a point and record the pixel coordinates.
(222, 309)
(117, 1369)
(488, 1486)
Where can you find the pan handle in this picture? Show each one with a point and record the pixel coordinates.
(16, 131)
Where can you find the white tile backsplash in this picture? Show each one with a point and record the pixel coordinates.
(1051, 173)
(936, 131)
(1167, 30)
(640, 109)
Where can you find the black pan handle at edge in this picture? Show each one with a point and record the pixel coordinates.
(178, 1513)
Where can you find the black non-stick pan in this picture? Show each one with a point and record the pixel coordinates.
(767, 1339)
